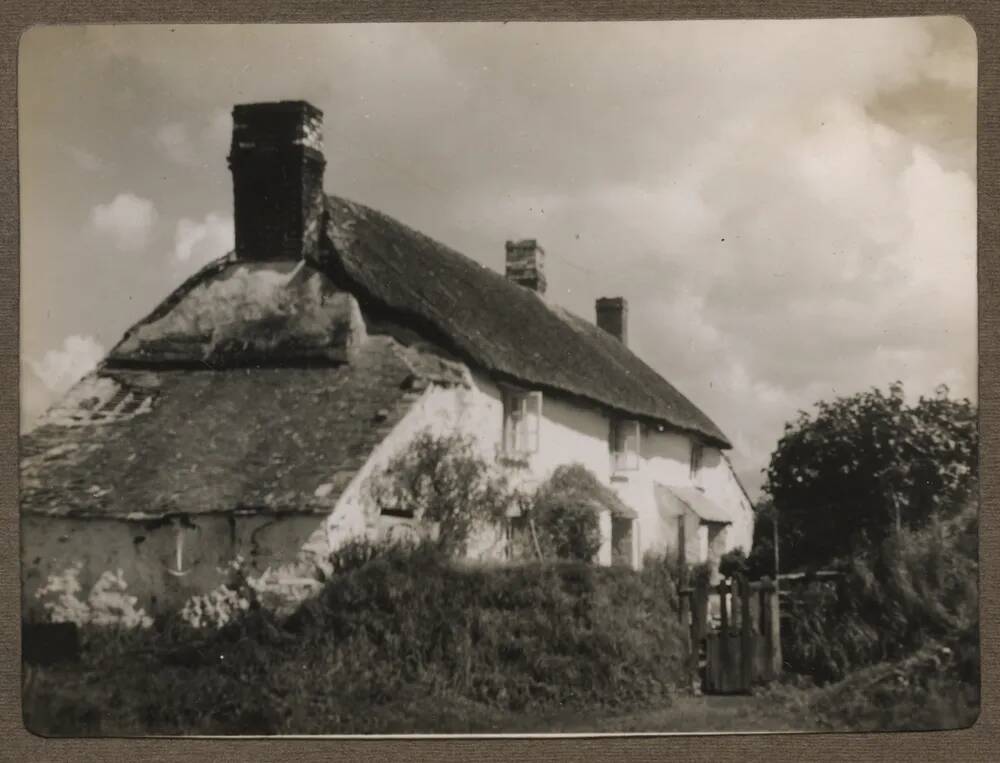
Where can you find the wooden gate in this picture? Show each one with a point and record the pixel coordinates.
(734, 636)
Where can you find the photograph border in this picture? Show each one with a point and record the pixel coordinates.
(975, 743)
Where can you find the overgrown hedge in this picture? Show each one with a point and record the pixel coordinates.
(915, 587)
(408, 635)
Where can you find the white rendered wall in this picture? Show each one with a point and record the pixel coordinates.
(569, 432)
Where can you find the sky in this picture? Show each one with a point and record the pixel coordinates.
(789, 207)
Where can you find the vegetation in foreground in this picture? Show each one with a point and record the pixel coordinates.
(409, 641)
(884, 492)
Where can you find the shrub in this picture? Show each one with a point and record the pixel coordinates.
(915, 587)
(391, 640)
(930, 689)
(733, 563)
(441, 479)
(565, 511)
(356, 553)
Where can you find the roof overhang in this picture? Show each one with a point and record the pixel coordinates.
(676, 500)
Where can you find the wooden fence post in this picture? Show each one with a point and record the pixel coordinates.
(699, 611)
(746, 634)
(775, 624)
(724, 658)
(685, 608)
(771, 611)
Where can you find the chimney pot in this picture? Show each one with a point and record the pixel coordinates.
(612, 316)
(276, 158)
(526, 264)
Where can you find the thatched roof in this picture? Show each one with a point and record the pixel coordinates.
(255, 387)
(493, 323)
(238, 314)
(151, 443)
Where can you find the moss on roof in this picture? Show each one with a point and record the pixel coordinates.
(492, 322)
(151, 443)
(247, 313)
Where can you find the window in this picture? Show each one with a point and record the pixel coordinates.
(625, 446)
(696, 454)
(622, 541)
(522, 415)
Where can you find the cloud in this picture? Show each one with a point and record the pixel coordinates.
(190, 146)
(174, 140)
(128, 219)
(84, 159)
(789, 206)
(199, 242)
(58, 370)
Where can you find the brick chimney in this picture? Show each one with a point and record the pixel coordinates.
(526, 264)
(612, 316)
(276, 158)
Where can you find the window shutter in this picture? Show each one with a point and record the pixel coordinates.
(625, 445)
(632, 444)
(509, 428)
(696, 455)
(532, 422)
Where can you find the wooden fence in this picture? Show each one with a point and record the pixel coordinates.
(734, 634)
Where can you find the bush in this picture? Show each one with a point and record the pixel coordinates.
(357, 552)
(733, 563)
(931, 689)
(565, 511)
(403, 636)
(916, 587)
(441, 480)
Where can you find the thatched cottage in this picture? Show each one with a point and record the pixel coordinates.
(245, 414)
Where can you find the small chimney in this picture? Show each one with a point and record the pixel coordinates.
(612, 316)
(277, 163)
(526, 264)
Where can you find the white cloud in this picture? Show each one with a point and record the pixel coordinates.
(174, 140)
(190, 146)
(84, 159)
(59, 369)
(128, 219)
(43, 382)
(199, 242)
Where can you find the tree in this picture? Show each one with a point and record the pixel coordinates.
(442, 480)
(865, 466)
(760, 561)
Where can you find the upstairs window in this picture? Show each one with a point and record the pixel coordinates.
(696, 456)
(522, 416)
(625, 446)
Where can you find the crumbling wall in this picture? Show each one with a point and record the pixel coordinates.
(164, 563)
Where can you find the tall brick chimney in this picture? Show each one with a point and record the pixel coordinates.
(612, 316)
(526, 264)
(276, 158)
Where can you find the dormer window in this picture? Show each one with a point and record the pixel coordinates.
(696, 456)
(522, 416)
(625, 445)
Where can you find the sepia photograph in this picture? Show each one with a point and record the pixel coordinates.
(484, 378)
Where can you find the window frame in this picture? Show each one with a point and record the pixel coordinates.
(522, 422)
(696, 462)
(619, 457)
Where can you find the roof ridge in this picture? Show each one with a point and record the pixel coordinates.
(469, 307)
